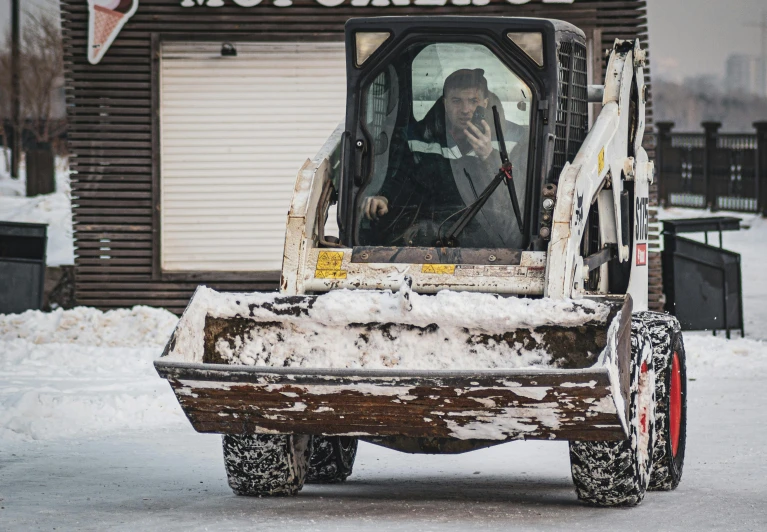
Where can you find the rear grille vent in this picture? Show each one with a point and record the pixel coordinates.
(572, 105)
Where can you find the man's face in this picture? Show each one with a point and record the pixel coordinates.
(460, 105)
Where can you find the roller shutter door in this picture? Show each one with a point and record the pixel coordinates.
(234, 131)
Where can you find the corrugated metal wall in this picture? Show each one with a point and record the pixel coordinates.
(233, 133)
(116, 207)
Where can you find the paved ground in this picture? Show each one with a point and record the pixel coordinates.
(174, 480)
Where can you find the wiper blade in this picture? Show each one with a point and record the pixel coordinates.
(505, 173)
(506, 168)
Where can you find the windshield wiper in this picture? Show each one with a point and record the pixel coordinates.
(505, 173)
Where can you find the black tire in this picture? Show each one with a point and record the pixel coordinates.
(617, 473)
(332, 459)
(266, 464)
(670, 408)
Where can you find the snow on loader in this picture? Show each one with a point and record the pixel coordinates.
(488, 281)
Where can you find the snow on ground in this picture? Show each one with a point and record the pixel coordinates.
(711, 356)
(81, 372)
(167, 477)
(52, 209)
(143, 327)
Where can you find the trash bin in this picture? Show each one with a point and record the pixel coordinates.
(22, 266)
(41, 169)
(702, 283)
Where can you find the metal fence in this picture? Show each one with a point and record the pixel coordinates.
(718, 171)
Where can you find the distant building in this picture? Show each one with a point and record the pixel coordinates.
(705, 83)
(745, 74)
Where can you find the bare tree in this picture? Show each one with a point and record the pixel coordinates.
(41, 74)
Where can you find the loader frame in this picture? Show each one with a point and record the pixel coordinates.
(587, 401)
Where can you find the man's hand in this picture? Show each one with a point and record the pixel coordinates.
(375, 206)
(480, 140)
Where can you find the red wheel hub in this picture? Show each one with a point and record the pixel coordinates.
(675, 404)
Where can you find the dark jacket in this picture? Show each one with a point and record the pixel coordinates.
(430, 181)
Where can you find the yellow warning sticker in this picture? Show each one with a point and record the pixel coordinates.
(441, 269)
(329, 274)
(329, 265)
(330, 260)
(601, 161)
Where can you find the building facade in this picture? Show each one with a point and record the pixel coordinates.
(745, 74)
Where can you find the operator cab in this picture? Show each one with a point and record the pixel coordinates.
(436, 107)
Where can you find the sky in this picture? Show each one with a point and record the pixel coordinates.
(695, 37)
(687, 37)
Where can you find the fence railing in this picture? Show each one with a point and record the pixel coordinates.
(718, 171)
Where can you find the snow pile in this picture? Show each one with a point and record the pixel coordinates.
(449, 330)
(83, 372)
(52, 209)
(716, 357)
(9, 186)
(137, 327)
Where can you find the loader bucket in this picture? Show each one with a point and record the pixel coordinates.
(453, 366)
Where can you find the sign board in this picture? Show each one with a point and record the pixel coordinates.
(107, 17)
(105, 20)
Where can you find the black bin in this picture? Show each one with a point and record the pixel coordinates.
(703, 283)
(22, 266)
(41, 169)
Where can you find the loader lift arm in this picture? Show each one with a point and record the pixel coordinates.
(604, 175)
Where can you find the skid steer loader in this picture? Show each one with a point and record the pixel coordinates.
(488, 281)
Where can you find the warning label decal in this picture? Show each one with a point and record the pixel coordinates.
(329, 265)
(439, 269)
(601, 160)
(641, 254)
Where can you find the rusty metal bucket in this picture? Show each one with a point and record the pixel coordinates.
(582, 397)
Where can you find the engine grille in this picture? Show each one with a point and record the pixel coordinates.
(572, 105)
